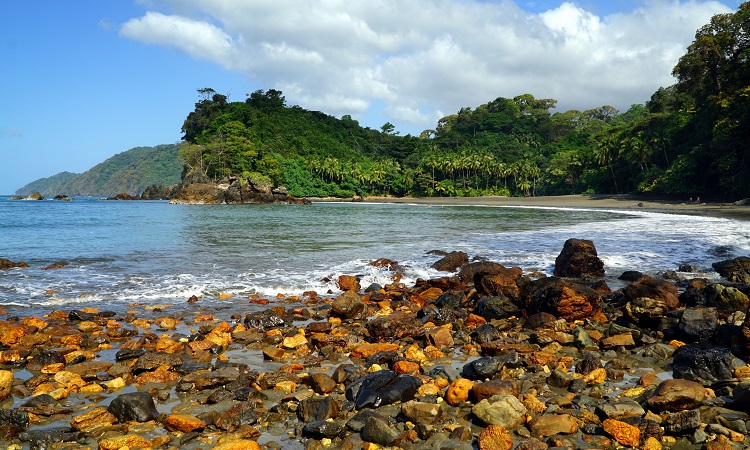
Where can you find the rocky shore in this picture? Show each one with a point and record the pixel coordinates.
(485, 357)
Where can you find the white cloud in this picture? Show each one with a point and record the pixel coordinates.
(422, 57)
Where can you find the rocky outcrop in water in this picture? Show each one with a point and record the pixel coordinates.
(231, 191)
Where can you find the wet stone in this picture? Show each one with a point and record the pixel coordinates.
(379, 432)
(45, 358)
(705, 366)
(133, 406)
(382, 388)
(317, 409)
(322, 429)
(679, 422)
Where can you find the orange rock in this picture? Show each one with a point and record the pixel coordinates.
(184, 423)
(224, 296)
(125, 441)
(458, 391)
(431, 294)
(241, 444)
(348, 283)
(406, 367)
(69, 379)
(495, 437)
(474, 320)
(366, 350)
(12, 336)
(34, 322)
(622, 432)
(160, 375)
(97, 417)
(6, 383)
(9, 356)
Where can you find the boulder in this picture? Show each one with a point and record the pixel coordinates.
(133, 406)
(501, 307)
(379, 432)
(736, 270)
(263, 320)
(322, 429)
(705, 365)
(677, 395)
(35, 196)
(550, 425)
(451, 261)
(697, 324)
(349, 305)
(504, 410)
(495, 437)
(6, 264)
(399, 325)
(382, 388)
(578, 259)
(501, 281)
(655, 289)
(726, 299)
(561, 298)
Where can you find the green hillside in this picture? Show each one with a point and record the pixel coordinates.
(129, 172)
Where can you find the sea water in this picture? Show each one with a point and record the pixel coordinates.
(152, 252)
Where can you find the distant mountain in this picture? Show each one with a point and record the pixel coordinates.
(130, 172)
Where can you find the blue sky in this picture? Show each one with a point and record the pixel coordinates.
(88, 79)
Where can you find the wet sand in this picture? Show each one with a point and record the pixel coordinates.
(628, 202)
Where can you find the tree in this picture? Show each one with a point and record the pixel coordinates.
(387, 128)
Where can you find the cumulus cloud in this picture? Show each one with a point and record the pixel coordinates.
(425, 57)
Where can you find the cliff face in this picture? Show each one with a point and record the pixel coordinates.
(127, 172)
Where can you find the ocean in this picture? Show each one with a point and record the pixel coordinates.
(150, 252)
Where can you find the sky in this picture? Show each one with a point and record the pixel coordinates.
(87, 79)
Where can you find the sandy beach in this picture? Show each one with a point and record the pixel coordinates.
(598, 201)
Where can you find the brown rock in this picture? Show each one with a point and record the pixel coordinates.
(495, 437)
(451, 261)
(439, 337)
(622, 432)
(677, 395)
(655, 289)
(349, 283)
(366, 350)
(578, 259)
(184, 423)
(96, 418)
(561, 298)
(504, 282)
(238, 444)
(553, 424)
(618, 340)
(322, 383)
(399, 325)
(458, 391)
(488, 389)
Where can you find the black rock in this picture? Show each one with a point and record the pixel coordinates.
(737, 269)
(682, 421)
(357, 422)
(382, 388)
(14, 418)
(485, 333)
(45, 358)
(705, 366)
(451, 262)
(129, 353)
(82, 316)
(438, 316)
(152, 360)
(588, 364)
(40, 438)
(322, 429)
(133, 406)
(263, 320)
(449, 300)
(491, 308)
(236, 416)
(631, 275)
(487, 366)
(697, 324)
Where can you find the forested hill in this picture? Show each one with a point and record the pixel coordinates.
(129, 172)
(690, 139)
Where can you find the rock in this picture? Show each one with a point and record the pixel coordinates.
(560, 298)
(318, 408)
(588, 364)
(487, 389)
(618, 340)
(486, 333)
(495, 437)
(156, 192)
(697, 324)
(439, 337)
(184, 423)
(705, 366)
(263, 320)
(237, 444)
(501, 282)
(504, 410)
(620, 410)
(421, 412)
(736, 270)
(661, 291)
(552, 424)
(133, 406)
(322, 383)
(491, 308)
(57, 265)
(35, 196)
(382, 388)
(6, 383)
(378, 432)
(622, 432)
(91, 420)
(349, 305)
(399, 325)
(123, 196)
(6, 264)
(646, 311)
(14, 418)
(322, 429)
(235, 417)
(677, 395)
(481, 368)
(152, 360)
(471, 272)
(451, 261)
(124, 441)
(458, 391)
(348, 283)
(578, 259)
(726, 299)
(631, 275)
(679, 422)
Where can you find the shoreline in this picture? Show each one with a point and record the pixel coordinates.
(597, 201)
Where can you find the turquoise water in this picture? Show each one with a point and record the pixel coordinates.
(154, 252)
